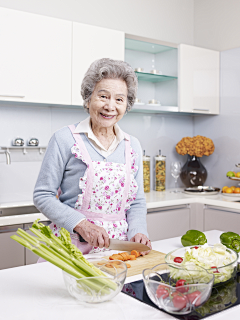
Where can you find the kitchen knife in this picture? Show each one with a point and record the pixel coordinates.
(127, 245)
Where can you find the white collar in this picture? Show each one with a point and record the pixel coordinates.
(85, 127)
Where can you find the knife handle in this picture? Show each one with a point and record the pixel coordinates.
(81, 239)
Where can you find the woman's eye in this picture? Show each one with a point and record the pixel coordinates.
(104, 97)
(120, 100)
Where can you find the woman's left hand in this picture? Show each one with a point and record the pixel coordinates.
(141, 238)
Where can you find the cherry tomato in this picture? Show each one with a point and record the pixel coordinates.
(216, 271)
(196, 247)
(178, 260)
(195, 297)
(179, 301)
(181, 286)
(162, 291)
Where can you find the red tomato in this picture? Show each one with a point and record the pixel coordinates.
(162, 291)
(178, 260)
(181, 286)
(196, 297)
(179, 301)
(196, 247)
(216, 270)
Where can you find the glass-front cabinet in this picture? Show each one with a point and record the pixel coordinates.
(173, 78)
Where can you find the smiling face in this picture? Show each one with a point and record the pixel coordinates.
(108, 103)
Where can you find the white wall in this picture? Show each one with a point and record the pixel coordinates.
(224, 129)
(166, 20)
(217, 24)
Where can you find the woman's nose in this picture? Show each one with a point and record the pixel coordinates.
(110, 105)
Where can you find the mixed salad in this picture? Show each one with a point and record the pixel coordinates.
(216, 259)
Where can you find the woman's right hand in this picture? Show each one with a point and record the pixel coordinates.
(94, 235)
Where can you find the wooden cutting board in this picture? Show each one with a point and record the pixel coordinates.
(148, 261)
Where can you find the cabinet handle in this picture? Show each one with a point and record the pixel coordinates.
(11, 96)
(201, 109)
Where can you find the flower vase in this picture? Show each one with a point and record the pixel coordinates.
(193, 172)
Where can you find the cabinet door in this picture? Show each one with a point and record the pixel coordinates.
(164, 223)
(11, 252)
(91, 43)
(35, 58)
(198, 80)
(220, 219)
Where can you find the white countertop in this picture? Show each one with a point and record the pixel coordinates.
(154, 199)
(38, 292)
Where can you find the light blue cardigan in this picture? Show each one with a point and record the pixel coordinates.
(61, 168)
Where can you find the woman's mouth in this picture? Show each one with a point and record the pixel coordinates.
(105, 116)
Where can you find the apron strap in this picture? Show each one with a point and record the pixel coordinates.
(128, 173)
(90, 171)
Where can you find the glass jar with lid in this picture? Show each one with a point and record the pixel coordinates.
(146, 172)
(160, 172)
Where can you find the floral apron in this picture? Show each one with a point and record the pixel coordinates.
(108, 189)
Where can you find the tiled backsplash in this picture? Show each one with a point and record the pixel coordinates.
(18, 179)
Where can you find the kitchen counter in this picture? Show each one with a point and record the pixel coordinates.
(154, 199)
(38, 292)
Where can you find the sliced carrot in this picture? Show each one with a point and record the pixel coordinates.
(132, 257)
(109, 265)
(128, 265)
(135, 253)
(101, 263)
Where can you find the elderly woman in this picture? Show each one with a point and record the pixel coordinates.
(97, 166)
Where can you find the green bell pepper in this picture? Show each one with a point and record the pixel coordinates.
(193, 238)
(231, 240)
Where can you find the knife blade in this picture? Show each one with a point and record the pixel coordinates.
(127, 245)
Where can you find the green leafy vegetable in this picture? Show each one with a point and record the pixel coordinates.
(62, 253)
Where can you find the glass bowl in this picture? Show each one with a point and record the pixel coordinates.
(98, 289)
(160, 283)
(222, 273)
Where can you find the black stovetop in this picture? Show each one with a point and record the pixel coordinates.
(222, 297)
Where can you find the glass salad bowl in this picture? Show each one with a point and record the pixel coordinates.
(217, 259)
(176, 289)
(98, 289)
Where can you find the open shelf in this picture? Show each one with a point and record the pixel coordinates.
(150, 77)
(144, 46)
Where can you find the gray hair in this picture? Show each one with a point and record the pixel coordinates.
(109, 69)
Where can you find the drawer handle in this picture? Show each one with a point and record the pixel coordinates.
(198, 109)
(11, 96)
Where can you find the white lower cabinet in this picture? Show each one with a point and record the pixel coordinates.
(168, 222)
(217, 218)
(11, 252)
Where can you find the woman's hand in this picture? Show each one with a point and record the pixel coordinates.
(94, 235)
(141, 238)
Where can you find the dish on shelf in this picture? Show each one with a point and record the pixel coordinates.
(153, 101)
(154, 71)
(237, 165)
(236, 195)
(139, 69)
(202, 190)
(234, 178)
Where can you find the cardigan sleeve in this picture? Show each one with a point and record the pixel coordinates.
(136, 215)
(49, 179)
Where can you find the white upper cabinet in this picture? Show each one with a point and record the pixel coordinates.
(91, 43)
(198, 80)
(35, 58)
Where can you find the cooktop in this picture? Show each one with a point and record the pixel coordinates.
(223, 297)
